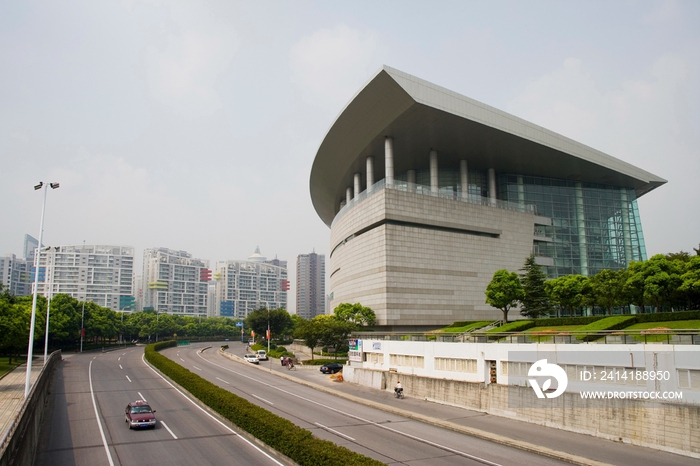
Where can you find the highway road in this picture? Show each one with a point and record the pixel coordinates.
(79, 431)
(386, 437)
(86, 426)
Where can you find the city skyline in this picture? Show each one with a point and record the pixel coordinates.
(194, 127)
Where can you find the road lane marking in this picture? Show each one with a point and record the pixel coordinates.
(120, 367)
(182, 360)
(197, 368)
(144, 399)
(263, 399)
(119, 358)
(168, 429)
(334, 431)
(143, 358)
(97, 415)
(223, 381)
(375, 424)
(127, 378)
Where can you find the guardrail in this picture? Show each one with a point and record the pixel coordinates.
(18, 446)
(673, 337)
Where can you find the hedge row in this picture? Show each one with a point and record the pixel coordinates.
(282, 435)
(557, 321)
(608, 323)
(667, 316)
(516, 326)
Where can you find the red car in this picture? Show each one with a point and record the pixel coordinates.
(140, 414)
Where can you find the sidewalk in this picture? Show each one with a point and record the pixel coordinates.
(12, 392)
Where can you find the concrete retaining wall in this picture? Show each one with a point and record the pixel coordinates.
(665, 426)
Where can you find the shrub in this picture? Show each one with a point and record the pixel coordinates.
(557, 321)
(279, 433)
(607, 323)
(667, 316)
(517, 326)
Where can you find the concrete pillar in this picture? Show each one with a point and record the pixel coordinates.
(370, 172)
(492, 186)
(464, 178)
(342, 204)
(521, 191)
(411, 179)
(625, 213)
(348, 195)
(581, 227)
(389, 160)
(434, 183)
(358, 184)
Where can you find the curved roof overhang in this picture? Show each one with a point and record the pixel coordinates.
(421, 116)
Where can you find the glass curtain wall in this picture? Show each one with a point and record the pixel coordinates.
(594, 226)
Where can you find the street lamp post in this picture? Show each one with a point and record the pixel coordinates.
(30, 348)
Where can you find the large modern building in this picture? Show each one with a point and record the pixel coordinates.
(174, 282)
(243, 286)
(311, 285)
(428, 193)
(98, 273)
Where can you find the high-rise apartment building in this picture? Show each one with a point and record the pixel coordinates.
(174, 282)
(311, 285)
(98, 273)
(245, 285)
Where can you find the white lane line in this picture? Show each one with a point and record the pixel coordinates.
(143, 358)
(263, 399)
(223, 381)
(97, 415)
(127, 378)
(119, 358)
(142, 397)
(197, 368)
(182, 360)
(168, 429)
(120, 367)
(334, 431)
(368, 421)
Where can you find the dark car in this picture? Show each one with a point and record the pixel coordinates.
(331, 368)
(140, 414)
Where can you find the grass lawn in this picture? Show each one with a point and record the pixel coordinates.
(680, 324)
(466, 328)
(558, 328)
(5, 367)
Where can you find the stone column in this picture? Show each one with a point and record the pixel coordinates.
(370, 172)
(348, 195)
(625, 213)
(358, 184)
(434, 180)
(411, 180)
(492, 186)
(521, 191)
(464, 178)
(389, 160)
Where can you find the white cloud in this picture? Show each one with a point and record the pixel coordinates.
(331, 64)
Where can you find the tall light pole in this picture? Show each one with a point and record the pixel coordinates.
(30, 348)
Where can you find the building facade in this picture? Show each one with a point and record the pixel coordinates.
(311, 285)
(428, 193)
(245, 285)
(174, 282)
(102, 274)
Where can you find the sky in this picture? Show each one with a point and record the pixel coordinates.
(193, 125)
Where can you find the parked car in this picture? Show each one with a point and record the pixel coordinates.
(262, 355)
(140, 414)
(331, 368)
(251, 358)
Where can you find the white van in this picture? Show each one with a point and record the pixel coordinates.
(262, 355)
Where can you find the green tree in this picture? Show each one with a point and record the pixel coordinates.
(356, 313)
(566, 292)
(504, 291)
(14, 326)
(310, 332)
(279, 319)
(334, 332)
(662, 282)
(535, 301)
(690, 285)
(606, 288)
